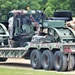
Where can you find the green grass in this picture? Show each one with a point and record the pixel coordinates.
(11, 71)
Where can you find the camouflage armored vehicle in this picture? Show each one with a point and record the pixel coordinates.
(55, 51)
(46, 52)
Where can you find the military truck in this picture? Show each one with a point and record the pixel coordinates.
(46, 53)
(55, 51)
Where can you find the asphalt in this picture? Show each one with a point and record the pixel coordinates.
(25, 64)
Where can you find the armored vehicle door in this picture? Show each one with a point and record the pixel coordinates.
(23, 30)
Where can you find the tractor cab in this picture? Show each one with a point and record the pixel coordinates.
(22, 30)
(25, 24)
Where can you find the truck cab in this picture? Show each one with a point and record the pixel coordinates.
(25, 24)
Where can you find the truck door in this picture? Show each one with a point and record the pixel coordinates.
(23, 30)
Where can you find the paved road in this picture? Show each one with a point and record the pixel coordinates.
(16, 63)
(25, 64)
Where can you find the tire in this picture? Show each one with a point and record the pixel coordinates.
(47, 60)
(35, 59)
(3, 59)
(60, 61)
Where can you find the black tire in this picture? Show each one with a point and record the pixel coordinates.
(35, 58)
(60, 61)
(3, 59)
(47, 60)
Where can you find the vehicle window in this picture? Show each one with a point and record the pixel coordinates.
(27, 28)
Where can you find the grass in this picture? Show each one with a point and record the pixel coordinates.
(11, 71)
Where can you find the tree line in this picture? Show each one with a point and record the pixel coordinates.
(48, 6)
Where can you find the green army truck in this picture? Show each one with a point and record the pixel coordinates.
(55, 51)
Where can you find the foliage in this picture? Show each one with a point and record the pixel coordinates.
(49, 6)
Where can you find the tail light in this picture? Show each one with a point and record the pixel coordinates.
(67, 49)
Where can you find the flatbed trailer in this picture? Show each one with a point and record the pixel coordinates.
(58, 54)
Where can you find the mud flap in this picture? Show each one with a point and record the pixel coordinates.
(69, 61)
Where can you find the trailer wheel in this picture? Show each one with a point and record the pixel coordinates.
(35, 59)
(47, 60)
(3, 59)
(60, 61)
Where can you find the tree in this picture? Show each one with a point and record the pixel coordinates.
(49, 6)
